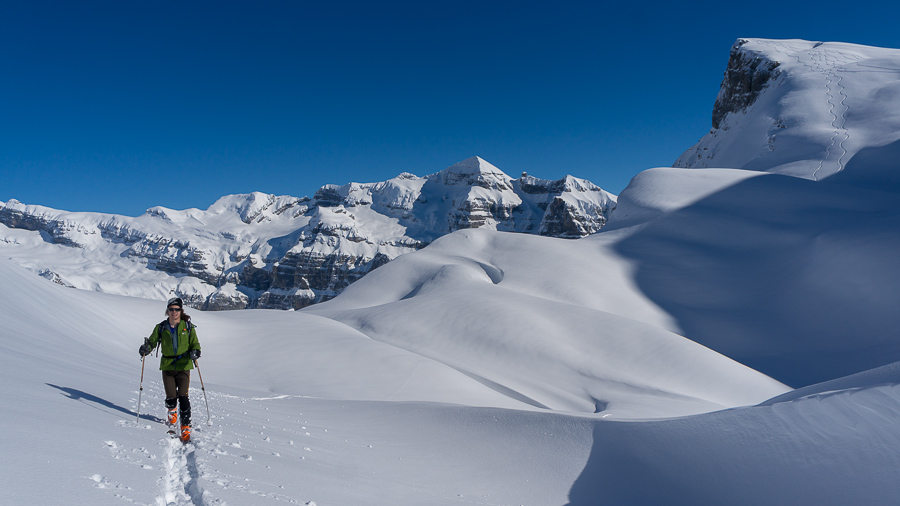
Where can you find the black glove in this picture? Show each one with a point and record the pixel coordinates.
(144, 350)
(195, 354)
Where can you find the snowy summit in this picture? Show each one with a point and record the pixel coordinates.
(806, 109)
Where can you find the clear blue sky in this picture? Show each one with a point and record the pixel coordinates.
(118, 106)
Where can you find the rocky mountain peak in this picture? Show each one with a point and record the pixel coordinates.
(283, 252)
(473, 165)
(474, 171)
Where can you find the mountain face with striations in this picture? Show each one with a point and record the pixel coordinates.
(282, 252)
(806, 109)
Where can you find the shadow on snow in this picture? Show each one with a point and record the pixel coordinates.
(99, 403)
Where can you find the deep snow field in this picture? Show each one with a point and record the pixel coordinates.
(730, 337)
(467, 373)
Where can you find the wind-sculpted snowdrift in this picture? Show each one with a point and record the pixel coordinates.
(793, 278)
(548, 337)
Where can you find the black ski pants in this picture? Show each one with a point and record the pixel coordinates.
(176, 384)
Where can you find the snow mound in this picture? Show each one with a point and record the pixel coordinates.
(473, 301)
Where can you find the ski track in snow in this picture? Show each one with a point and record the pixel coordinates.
(178, 462)
(181, 482)
(186, 473)
(820, 61)
(829, 63)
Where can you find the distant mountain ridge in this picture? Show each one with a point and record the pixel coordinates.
(283, 252)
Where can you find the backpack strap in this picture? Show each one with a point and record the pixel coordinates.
(159, 334)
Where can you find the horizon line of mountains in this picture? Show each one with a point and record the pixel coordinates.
(259, 250)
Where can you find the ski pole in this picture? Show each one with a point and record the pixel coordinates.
(141, 392)
(208, 418)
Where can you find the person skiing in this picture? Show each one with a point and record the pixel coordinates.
(177, 337)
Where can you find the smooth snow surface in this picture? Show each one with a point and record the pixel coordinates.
(307, 411)
(538, 327)
(793, 278)
(646, 364)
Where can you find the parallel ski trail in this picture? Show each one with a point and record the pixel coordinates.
(830, 64)
(833, 88)
(196, 473)
(181, 483)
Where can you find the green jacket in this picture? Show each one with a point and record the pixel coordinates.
(172, 359)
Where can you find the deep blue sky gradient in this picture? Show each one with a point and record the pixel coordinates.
(122, 105)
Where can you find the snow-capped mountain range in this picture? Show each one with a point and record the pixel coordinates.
(267, 251)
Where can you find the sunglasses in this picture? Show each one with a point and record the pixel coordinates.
(173, 309)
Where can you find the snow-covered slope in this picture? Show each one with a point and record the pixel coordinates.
(532, 298)
(766, 268)
(267, 251)
(305, 410)
(806, 109)
(794, 278)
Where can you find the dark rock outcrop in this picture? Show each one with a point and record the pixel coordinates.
(747, 74)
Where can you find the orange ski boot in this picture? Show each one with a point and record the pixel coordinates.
(185, 433)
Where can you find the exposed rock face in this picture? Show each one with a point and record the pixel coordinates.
(226, 297)
(747, 74)
(59, 231)
(266, 251)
